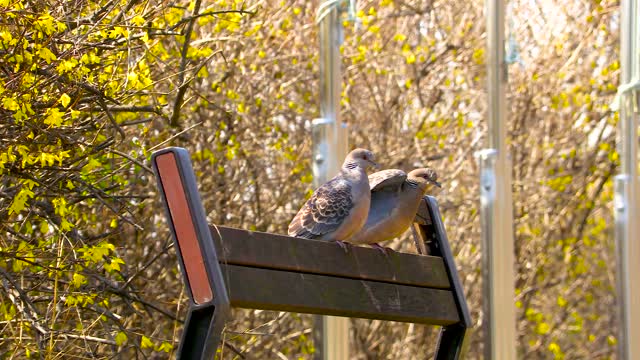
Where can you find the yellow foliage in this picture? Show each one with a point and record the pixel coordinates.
(146, 343)
(54, 117)
(410, 58)
(399, 37)
(138, 20)
(543, 328)
(46, 55)
(78, 280)
(65, 100)
(120, 338)
(165, 347)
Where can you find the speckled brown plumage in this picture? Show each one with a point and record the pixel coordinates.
(338, 208)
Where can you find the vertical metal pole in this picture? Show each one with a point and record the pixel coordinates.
(626, 199)
(329, 150)
(496, 203)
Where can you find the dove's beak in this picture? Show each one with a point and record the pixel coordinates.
(435, 183)
(374, 164)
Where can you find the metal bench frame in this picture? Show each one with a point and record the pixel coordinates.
(225, 267)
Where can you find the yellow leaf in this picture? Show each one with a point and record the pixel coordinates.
(54, 118)
(137, 20)
(60, 206)
(45, 23)
(399, 37)
(114, 265)
(543, 328)
(132, 77)
(92, 164)
(46, 55)
(62, 155)
(117, 31)
(10, 104)
(561, 301)
(121, 338)
(19, 202)
(70, 300)
(30, 183)
(67, 65)
(411, 58)
(65, 225)
(555, 349)
(165, 346)
(65, 100)
(44, 227)
(145, 342)
(78, 280)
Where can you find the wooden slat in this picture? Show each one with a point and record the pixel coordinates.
(265, 250)
(257, 288)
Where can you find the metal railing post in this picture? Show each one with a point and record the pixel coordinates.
(330, 147)
(496, 203)
(626, 198)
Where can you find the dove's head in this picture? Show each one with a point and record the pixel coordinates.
(362, 158)
(424, 177)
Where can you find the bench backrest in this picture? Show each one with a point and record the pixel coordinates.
(225, 267)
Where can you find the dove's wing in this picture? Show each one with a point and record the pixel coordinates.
(387, 180)
(325, 211)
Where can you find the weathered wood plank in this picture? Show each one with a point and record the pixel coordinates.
(265, 250)
(256, 288)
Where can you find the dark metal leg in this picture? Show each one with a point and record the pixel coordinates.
(202, 334)
(452, 341)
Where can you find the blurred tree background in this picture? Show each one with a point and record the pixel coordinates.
(90, 88)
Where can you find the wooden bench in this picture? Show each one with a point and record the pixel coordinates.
(225, 267)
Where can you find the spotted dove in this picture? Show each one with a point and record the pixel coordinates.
(338, 208)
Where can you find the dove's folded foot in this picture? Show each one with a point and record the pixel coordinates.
(380, 248)
(344, 245)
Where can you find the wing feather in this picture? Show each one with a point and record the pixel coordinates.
(324, 212)
(387, 180)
